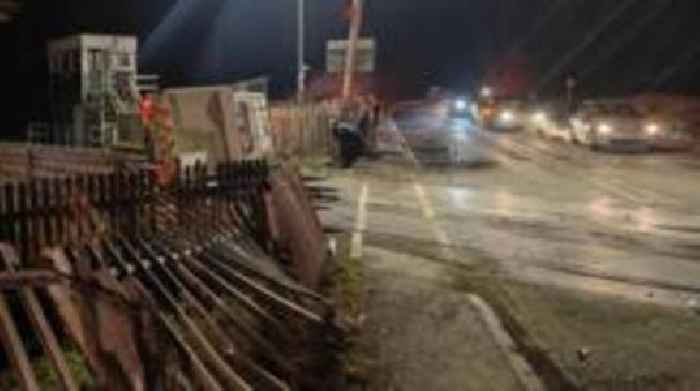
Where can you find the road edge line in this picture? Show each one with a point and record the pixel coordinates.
(356, 250)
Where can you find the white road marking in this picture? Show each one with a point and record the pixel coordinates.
(360, 223)
(425, 204)
(429, 214)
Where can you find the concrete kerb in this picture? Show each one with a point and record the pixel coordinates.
(522, 369)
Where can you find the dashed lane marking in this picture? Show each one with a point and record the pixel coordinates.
(425, 204)
(429, 214)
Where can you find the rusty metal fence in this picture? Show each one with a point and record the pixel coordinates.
(175, 288)
(30, 161)
(65, 210)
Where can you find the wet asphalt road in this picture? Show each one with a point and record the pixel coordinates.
(537, 210)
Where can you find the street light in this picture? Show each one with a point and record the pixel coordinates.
(461, 104)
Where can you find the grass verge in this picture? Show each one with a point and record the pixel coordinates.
(347, 288)
(46, 375)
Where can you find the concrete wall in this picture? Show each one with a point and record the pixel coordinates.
(203, 120)
(209, 119)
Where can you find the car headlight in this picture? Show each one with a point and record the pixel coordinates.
(460, 105)
(539, 117)
(652, 129)
(605, 128)
(459, 137)
(507, 116)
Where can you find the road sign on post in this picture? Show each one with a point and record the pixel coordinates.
(365, 60)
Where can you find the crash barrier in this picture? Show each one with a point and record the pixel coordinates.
(301, 130)
(27, 161)
(154, 288)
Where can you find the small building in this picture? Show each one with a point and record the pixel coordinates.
(8, 9)
(93, 94)
(227, 121)
(258, 84)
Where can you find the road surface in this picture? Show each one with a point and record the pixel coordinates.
(514, 207)
(539, 210)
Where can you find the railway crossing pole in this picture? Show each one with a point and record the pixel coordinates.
(355, 26)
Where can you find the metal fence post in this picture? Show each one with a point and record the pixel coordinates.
(22, 212)
(34, 215)
(47, 211)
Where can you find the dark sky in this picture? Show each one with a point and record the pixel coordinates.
(453, 43)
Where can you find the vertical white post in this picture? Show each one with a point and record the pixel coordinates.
(300, 52)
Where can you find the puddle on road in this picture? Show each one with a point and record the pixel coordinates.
(637, 289)
(692, 249)
(517, 156)
(690, 165)
(466, 258)
(680, 228)
(394, 208)
(446, 167)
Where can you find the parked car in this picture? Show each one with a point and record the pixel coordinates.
(613, 125)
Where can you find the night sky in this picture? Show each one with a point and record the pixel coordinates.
(453, 43)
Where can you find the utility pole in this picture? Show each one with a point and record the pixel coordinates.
(355, 26)
(301, 79)
(571, 84)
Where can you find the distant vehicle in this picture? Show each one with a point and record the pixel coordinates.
(422, 126)
(683, 111)
(460, 107)
(613, 125)
(437, 133)
(552, 123)
(668, 134)
(504, 115)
